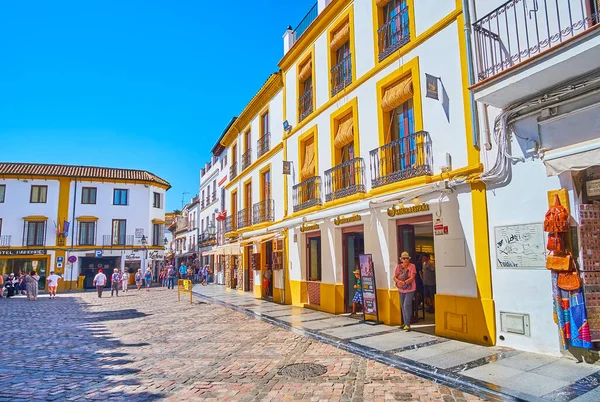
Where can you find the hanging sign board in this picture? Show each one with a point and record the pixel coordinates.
(369, 288)
(309, 226)
(592, 188)
(287, 167)
(398, 210)
(432, 86)
(340, 220)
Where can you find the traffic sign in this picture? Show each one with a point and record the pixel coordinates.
(60, 259)
(72, 259)
(98, 253)
(59, 265)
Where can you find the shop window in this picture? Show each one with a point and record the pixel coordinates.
(118, 232)
(120, 196)
(87, 233)
(2, 192)
(156, 234)
(35, 233)
(156, 203)
(38, 194)
(313, 246)
(88, 195)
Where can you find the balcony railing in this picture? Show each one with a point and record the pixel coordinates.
(247, 158)
(233, 171)
(110, 240)
(307, 194)
(231, 223)
(192, 248)
(244, 218)
(402, 159)
(305, 104)
(214, 195)
(306, 21)
(263, 211)
(345, 179)
(520, 29)
(263, 145)
(207, 239)
(394, 34)
(341, 75)
(202, 204)
(5, 240)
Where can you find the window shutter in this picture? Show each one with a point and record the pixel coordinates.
(397, 94)
(308, 167)
(382, 3)
(340, 37)
(345, 133)
(305, 71)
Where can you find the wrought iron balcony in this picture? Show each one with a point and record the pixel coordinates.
(305, 104)
(233, 171)
(231, 223)
(307, 194)
(202, 205)
(519, 30)
(263, 145)
(306, 21)
(247, 158)
(214, 195)
(123, 240)
(207, 239)
(244, 218)
(394, 34)
(5, 240)
(402, 159)
(345, 179)
(341, 75)
(263, 211)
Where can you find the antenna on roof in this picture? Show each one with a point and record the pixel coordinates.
(183, 198)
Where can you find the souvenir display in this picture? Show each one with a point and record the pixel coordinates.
(589, 239)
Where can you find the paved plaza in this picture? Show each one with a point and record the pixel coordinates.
(148, 346)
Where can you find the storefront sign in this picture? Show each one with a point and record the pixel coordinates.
(22, 252)
(340, 220)
(309, 226)
(139, 232)
(593, 188)
(287, 167)
(156, 255)
(432, 86)
(398, 210)
(133, 257)
(369, 288)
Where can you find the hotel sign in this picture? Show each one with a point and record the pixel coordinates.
(398, 210)
(156, 255)
(22, 252)
(340, 220)
(308, 226)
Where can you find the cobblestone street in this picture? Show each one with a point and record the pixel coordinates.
(148, 346)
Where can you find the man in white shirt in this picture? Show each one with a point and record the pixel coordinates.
(99, 282)
(125, 279)
(52, 281)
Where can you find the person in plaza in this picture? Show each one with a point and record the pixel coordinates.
(268, 275)
(31, 282)
(205, 274)
(428, 276)
(1, 286)
(162, 278)
(115, 282)
(182, 271)
(9, 286)
(139, 279)
(357, 300)
(404, 277)
(172, 274)
(52, 281)
(148, 279)
(124, 280)
(99, 282)
(190, 273)
(22, 284)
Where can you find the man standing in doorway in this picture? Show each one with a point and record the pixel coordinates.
(115, 282)
(99, 282)
(429, 282)
(52, 281)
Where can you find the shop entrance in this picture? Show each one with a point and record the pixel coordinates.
(26, 265)
(353, 246)
(268, 278)
(90, 267)
(249, 269)
(415, 236)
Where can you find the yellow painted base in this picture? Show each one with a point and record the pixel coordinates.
(332, 298)
(277, 295)
(466, 319)
(258, 291)
(298, 293)
(388, 303)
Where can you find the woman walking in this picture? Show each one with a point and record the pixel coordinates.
(404, 276)
(125, 280)
(148, 279)
(31, 283)
(139, 279)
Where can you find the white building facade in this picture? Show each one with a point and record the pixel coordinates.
(75, 220)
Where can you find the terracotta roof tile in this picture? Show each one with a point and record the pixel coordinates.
(82, 172)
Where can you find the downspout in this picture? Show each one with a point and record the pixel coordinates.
(469, 50)
(73, 234)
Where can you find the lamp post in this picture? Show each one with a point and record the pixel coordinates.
(211, 233)
(144, 252)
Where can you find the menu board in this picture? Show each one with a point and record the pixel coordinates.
(589, 221)
(369, 289)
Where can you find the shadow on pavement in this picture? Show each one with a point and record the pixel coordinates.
(55, 350)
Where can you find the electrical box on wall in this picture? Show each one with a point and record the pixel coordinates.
(515, 323)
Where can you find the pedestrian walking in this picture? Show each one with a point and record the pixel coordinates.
(148, 279)
(22, 285)
(205, 275)
(125, 280)
(172, 274)
(99, 282)
(139, 279)
(404, 276)
(52, 281)
(162, 278)
(9, 286)
(31, 282)
(115, 282)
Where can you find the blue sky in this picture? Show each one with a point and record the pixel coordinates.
(131, 83)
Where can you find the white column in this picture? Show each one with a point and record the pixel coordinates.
(321, 4)
(289, 37)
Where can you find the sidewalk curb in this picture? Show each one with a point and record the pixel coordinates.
(466, 384)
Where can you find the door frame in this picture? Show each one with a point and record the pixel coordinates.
(346, 231)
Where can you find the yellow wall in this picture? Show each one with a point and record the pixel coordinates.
(465, 318)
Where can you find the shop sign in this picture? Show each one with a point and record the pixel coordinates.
(368, 286)
(593, 188)
(340, 220)
(308, 226)
(22, 252)
(397, 210)
(439, 228)
(156, 255)
(139, 232)
(133, 256)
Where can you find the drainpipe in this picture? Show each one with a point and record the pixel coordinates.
(73, 234)
(474, 122)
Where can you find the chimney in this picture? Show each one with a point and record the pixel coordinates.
(289, 37)
(321, 4)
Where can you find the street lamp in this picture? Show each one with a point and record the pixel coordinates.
(144, 242)
(211, 229)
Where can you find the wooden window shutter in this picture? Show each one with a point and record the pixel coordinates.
(340, 37)
(397, 94)
(345, 132)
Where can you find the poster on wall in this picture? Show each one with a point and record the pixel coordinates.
(520, 246)
(369, 288)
